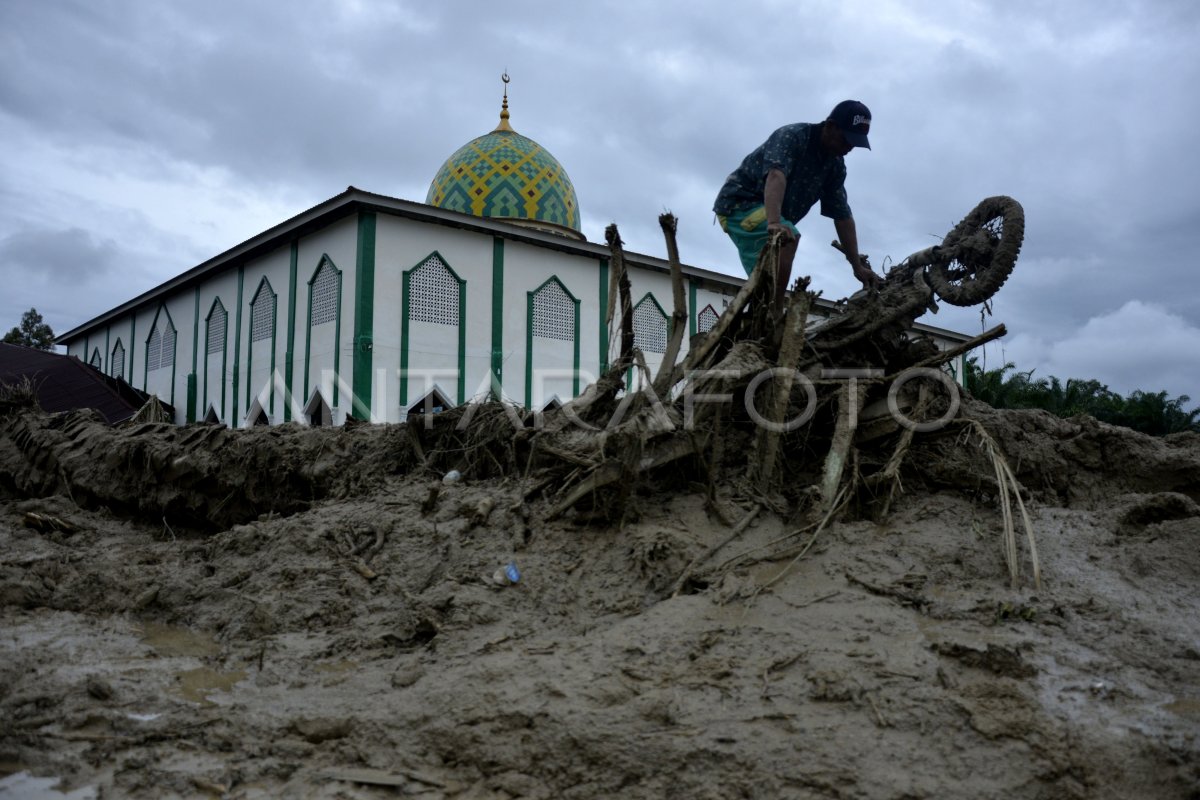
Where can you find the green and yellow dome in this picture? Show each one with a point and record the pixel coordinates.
(504, 175)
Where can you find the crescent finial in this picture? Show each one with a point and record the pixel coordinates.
(504, 126)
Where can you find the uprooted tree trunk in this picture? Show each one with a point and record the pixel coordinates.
(822, 411)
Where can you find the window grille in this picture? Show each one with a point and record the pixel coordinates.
(168, 346)
(160, 350)
(262, 315)
(324, 295)
(96, 362)
(433, 293)
(118, 361)
(154, 350)
(218, 322)
(706, 320)
(554, 313)
(649, 328)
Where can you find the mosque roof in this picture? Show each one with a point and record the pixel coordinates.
(506, 176)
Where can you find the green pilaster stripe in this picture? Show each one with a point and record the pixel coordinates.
(224, 365)
(107, 352)
(575, 371)
(529, 349)
(191, 388)
(497, 312)
(174, 360)
(337, 345)
(404, 302)
(146, 365)
(692, 323)
(274, 340)
(250, 350)
(462, 341)
(133, 347)
(603, 311)
(308, 344)
(291, 332)
(204, 380)
(237, 348)
(364, 316)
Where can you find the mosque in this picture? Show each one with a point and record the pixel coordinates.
(374, 307)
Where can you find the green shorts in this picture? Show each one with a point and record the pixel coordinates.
(748, 230)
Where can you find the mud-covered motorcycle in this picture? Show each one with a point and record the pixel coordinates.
(967, 268)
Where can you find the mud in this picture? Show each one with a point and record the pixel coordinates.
(320, 635)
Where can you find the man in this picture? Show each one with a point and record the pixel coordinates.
(778, 183)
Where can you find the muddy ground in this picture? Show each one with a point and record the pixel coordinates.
(152, 646)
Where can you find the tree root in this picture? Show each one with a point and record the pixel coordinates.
(712, 551)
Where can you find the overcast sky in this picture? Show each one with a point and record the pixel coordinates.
(141, 138)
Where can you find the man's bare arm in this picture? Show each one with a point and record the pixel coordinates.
(773, 202)
(847, 234)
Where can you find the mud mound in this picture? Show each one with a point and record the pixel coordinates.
(367, 641)
(1078, 461)
(203, 476)
(212, 478)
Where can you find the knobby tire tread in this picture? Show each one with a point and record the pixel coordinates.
(988, 278)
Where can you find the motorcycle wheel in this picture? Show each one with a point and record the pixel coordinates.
(984, 249)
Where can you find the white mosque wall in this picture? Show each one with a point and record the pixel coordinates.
(215, 370)
(416, 352)
(263, 335)
(318, 364)
(536, 368)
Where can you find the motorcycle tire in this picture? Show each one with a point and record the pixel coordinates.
(974, 278)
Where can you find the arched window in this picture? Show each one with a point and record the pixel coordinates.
(118, 360)
(262, 313)
(649, 326)
(433, 293)
(218, 323)
(553, 313)
(160, 348)
(706, 320)
(323, 305)
(96, 360)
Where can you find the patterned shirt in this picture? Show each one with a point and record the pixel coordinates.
(812, 175)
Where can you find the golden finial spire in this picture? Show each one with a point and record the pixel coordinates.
(504, 126)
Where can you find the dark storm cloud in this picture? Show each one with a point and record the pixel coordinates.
(55, 271)
(1081, 110)
(57, 255)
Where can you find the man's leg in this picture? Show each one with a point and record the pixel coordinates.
(787, 255)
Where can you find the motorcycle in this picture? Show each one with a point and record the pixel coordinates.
(967, 268)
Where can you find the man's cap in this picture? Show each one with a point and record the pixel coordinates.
(854, 120)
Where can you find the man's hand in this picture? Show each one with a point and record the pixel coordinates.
(869, 279)
(788, 235)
